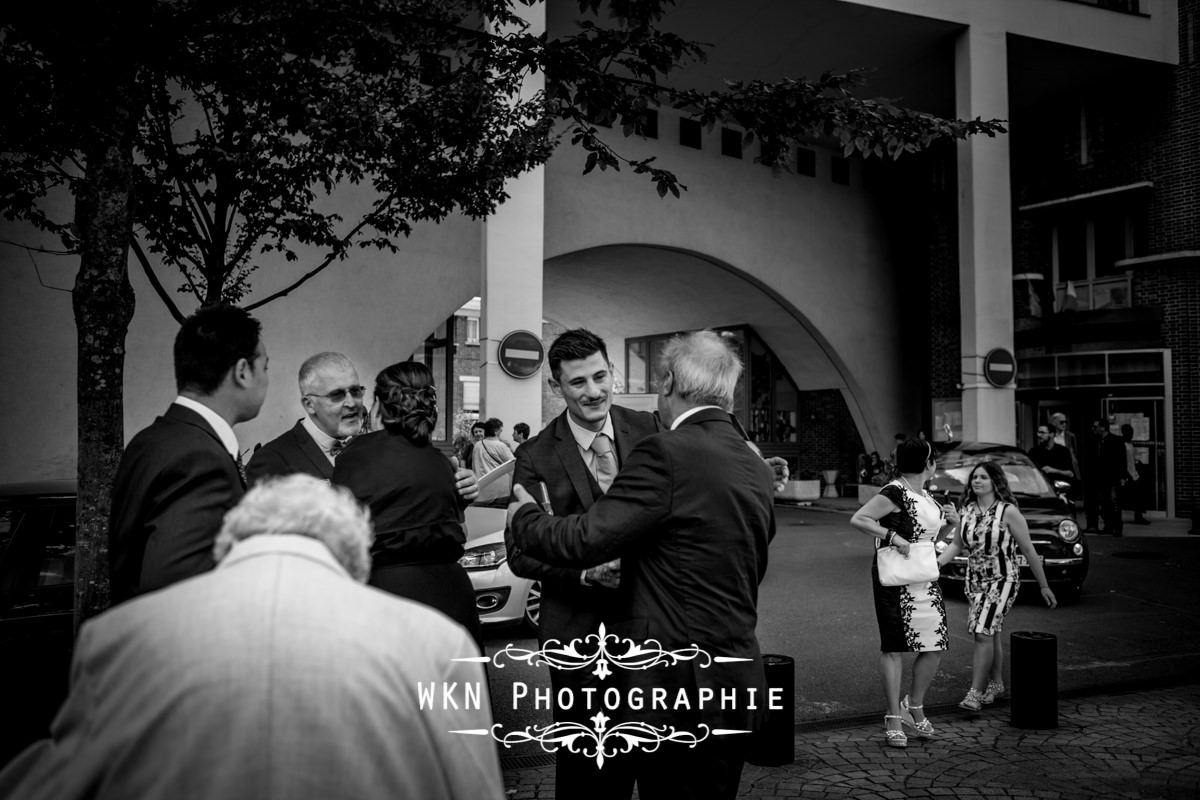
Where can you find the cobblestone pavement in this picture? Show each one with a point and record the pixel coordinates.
(1142, 745)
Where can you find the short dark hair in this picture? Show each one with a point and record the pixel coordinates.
(492, 427)
(574, 345)
(522, 428)
(912, 455)
(1127, 431)
(901, 437)
(209, 344)
(409, 400)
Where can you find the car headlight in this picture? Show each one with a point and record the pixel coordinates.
(1068, 530)
(486, 557)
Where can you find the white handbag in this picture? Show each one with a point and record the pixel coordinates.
(919, 566)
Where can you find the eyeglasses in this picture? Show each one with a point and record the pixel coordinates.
(338, 395)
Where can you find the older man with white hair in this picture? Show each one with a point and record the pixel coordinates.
(277, 675)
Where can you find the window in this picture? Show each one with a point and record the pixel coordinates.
(472, 330)
(650, 124)
(806, 162)
(841, 170)
(689, 133)
(1085, 248)
(435, 69)
(731, 143)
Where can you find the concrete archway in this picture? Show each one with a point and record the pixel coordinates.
(624, 291)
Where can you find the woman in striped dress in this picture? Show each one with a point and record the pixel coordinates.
(912, 618)
(992, 531)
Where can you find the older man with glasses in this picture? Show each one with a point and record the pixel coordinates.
(332, 398)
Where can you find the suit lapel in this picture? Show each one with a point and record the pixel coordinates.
(624, 435)
(572, 463)
(185, 416)
(312, 451)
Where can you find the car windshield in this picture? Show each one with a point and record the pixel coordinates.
(1024, 478)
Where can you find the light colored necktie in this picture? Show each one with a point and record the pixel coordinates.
(606, 461)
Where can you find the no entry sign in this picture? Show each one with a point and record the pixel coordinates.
(999, 367)
(521, 354)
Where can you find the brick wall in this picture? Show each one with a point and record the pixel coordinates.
(1143, 126)
(827, 436)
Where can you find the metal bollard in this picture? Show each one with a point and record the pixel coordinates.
(773, 745)
(1034, 673)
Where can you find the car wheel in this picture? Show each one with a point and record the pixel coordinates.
(533, 605)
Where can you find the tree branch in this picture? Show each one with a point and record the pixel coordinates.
(158, 287)
(345, 241)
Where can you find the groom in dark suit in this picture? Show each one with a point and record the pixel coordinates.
(332, 398)
(575, 601)
(178, 477)
(691, 515)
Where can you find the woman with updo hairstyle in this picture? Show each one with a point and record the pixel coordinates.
(410, 488)
(911, 618)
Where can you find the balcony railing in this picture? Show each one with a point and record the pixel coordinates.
(1094, 294)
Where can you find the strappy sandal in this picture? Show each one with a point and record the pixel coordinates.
(924, 728)
(993, 692)
(893, 736)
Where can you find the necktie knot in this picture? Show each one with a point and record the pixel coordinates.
(605, 462)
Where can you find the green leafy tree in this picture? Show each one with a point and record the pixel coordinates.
(204, 133)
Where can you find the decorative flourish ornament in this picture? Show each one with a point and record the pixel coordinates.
(574, 656)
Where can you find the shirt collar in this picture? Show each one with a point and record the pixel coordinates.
(679, 420)
(222, 428)
(584, 437)
(323, 439)
(282, 543)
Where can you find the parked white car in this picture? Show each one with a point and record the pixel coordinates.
(501, 597)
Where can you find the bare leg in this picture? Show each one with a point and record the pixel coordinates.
(997, 673)
(981, 662)
(924, 668)
(891, 668)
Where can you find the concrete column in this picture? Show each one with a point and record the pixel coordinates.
(513, 253)
(984, 234)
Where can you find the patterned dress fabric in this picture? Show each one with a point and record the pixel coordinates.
(993, 576)
(912, 618)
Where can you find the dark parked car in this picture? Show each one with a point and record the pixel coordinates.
(37, 571)
(1050, 514)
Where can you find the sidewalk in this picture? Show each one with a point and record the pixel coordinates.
(1137, 744)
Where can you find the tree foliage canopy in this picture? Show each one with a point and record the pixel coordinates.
(248, 114)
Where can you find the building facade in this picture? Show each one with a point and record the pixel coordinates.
(868, 295)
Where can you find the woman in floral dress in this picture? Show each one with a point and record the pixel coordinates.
(992, 531)
(912, 618)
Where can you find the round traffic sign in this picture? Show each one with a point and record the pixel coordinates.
(521, 354)
(999, 367)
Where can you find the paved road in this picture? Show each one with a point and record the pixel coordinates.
(1139, 619)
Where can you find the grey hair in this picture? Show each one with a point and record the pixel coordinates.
(314, 364)
(304, 506)
(706, 370)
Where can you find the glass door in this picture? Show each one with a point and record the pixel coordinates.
(1145, 416)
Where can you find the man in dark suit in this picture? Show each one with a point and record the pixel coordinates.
(690, 514)
(1110, 476)
(332, 398)
(178, 477)
(576, 601)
